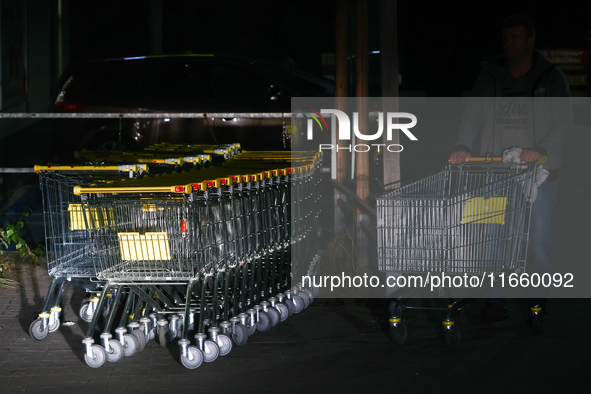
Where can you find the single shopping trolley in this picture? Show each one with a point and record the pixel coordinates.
(471, 218)
(69, 250)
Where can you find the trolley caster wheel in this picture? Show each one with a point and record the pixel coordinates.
(240, 334)
(452, 336)
(274, 315)
(194, 359)
(106, 311)
(116, 352)
(315, 291)
(264, 322)
(309, 293)
(298, 304)
(53, 327)
(251, 329)
(305, 298)
(538, 319)
(211, 351)
(36, 332)
(162, 336)
(141, 338)
(225, 344)
(399, 333)
(130, 344)
(85, 313)
(283, 311)
(99, 357)
(290, 306)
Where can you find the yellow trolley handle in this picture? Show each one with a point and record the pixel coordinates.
(187, 189)
(122, 168)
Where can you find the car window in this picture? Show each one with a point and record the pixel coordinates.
(236, 83)
(135, 79)
(300, 82)
(177, 80)
(94, 83)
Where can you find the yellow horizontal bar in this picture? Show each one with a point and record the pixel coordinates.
(78, 190)
(76, 168)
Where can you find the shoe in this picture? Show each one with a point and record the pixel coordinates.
(494, 312)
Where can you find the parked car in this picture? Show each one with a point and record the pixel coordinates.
(180, 84)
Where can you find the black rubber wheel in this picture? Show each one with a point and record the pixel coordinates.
(399, 334)
(452, 336)
(538, 321)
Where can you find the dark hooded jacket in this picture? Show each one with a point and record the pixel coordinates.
(550, 114)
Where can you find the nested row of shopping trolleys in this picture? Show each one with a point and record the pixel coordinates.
(207, 254)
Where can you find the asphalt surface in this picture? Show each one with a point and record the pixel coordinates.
(329, 347)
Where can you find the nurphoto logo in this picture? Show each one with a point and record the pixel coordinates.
(344, 129)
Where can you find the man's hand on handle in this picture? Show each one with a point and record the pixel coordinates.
(529, 156)
(459, 157)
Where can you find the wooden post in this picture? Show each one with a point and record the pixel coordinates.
(361, 250)
(389, 69)
(341, 77)
(361, 91)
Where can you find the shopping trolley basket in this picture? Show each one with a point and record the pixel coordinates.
(471, 218)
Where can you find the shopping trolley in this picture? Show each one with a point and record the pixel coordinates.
(471, 218)
(68, 248)
(213, 255)
(167, 156)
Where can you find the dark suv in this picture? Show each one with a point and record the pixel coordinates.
(180, 84)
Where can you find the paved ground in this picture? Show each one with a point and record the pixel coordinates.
(326, 348)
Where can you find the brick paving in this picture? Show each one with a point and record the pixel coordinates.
(342, 348)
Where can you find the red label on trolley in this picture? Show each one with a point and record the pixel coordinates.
(179, 189)
(184, 228)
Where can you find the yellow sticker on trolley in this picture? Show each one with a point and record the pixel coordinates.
(148, 246)
(484, 210)
(95, 217)
(152, 208)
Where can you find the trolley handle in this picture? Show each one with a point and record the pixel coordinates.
(121, 168)
(187, 189)
(491, 159)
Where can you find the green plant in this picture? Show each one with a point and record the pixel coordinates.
(9, 234)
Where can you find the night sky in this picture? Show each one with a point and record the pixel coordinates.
(440, 42)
